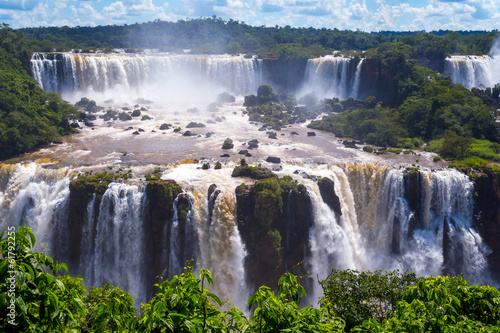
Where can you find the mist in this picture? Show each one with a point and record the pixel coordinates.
(495, 48)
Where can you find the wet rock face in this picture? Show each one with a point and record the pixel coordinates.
(274, 218)
(487, 215)
(327, 191)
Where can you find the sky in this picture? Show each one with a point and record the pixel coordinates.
(365, 15)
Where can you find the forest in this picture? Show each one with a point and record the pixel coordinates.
(47, 299)
(29, 116)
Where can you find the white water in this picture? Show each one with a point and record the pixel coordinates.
(375, 214)
(119, 240)
(474, 71)
(332, 76)
(373, 205)
(34, 196)
(158, 77)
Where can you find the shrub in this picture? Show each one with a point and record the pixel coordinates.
(368, 149)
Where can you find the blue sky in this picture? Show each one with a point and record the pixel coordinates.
(366, 15)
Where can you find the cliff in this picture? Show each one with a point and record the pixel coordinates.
(487, 214)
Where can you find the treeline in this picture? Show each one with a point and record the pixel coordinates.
(29, 116)
(37, 295)
(215, 35)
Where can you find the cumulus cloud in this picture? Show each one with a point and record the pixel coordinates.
(371, 15)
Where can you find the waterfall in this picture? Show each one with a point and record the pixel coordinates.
(221, 248)
(332, 76)
(374, 203)
(474, 71)
(119, 240)
(141, 75)
(34, 196)
(357, 79)
(422, 220)
(183, 240)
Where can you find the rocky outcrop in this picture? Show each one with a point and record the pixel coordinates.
(160, 210)
(274, 218)
(327, 191)
(487, 214)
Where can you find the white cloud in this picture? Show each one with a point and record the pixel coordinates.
(115, 11)
(369, 15)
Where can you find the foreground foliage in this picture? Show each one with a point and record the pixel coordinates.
(48, 300)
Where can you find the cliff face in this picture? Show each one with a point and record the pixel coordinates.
(274, 218)
(284, 75)
(487, 215)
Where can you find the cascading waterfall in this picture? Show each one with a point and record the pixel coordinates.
(332, 76)
(357, 79)
(221, 248)
(141, 74)
(34, 196)
(183, 240)
(383, 225)
(375, 203)
(474, 71)
(120, 240)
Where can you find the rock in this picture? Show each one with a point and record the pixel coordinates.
(272, 159)
(165, 126)
(75, 125)
(91, 117)
(274, 237)
(225, 98)
(327, 191)
(487, 214)
(224, 155)
(128, 128)
(141, 130)
(294, 133)
(189, 133)
(263, 128)
(212, 194)
(253, 143)
(193, 110)
(272, 135)
(195, 125)
(210, 121)
(311, 133)
(254, 172)
(243, 152)
(123, 116)
(248, 155)
(88, 123)
(349, 144)
(136, 133)
(228, 144)
(209, 134)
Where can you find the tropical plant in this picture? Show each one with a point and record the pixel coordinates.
(30, 288)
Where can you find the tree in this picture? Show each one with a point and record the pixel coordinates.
(280, 312)
(442, 304)
(454, 145)
(357, 296)
(37, 298)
